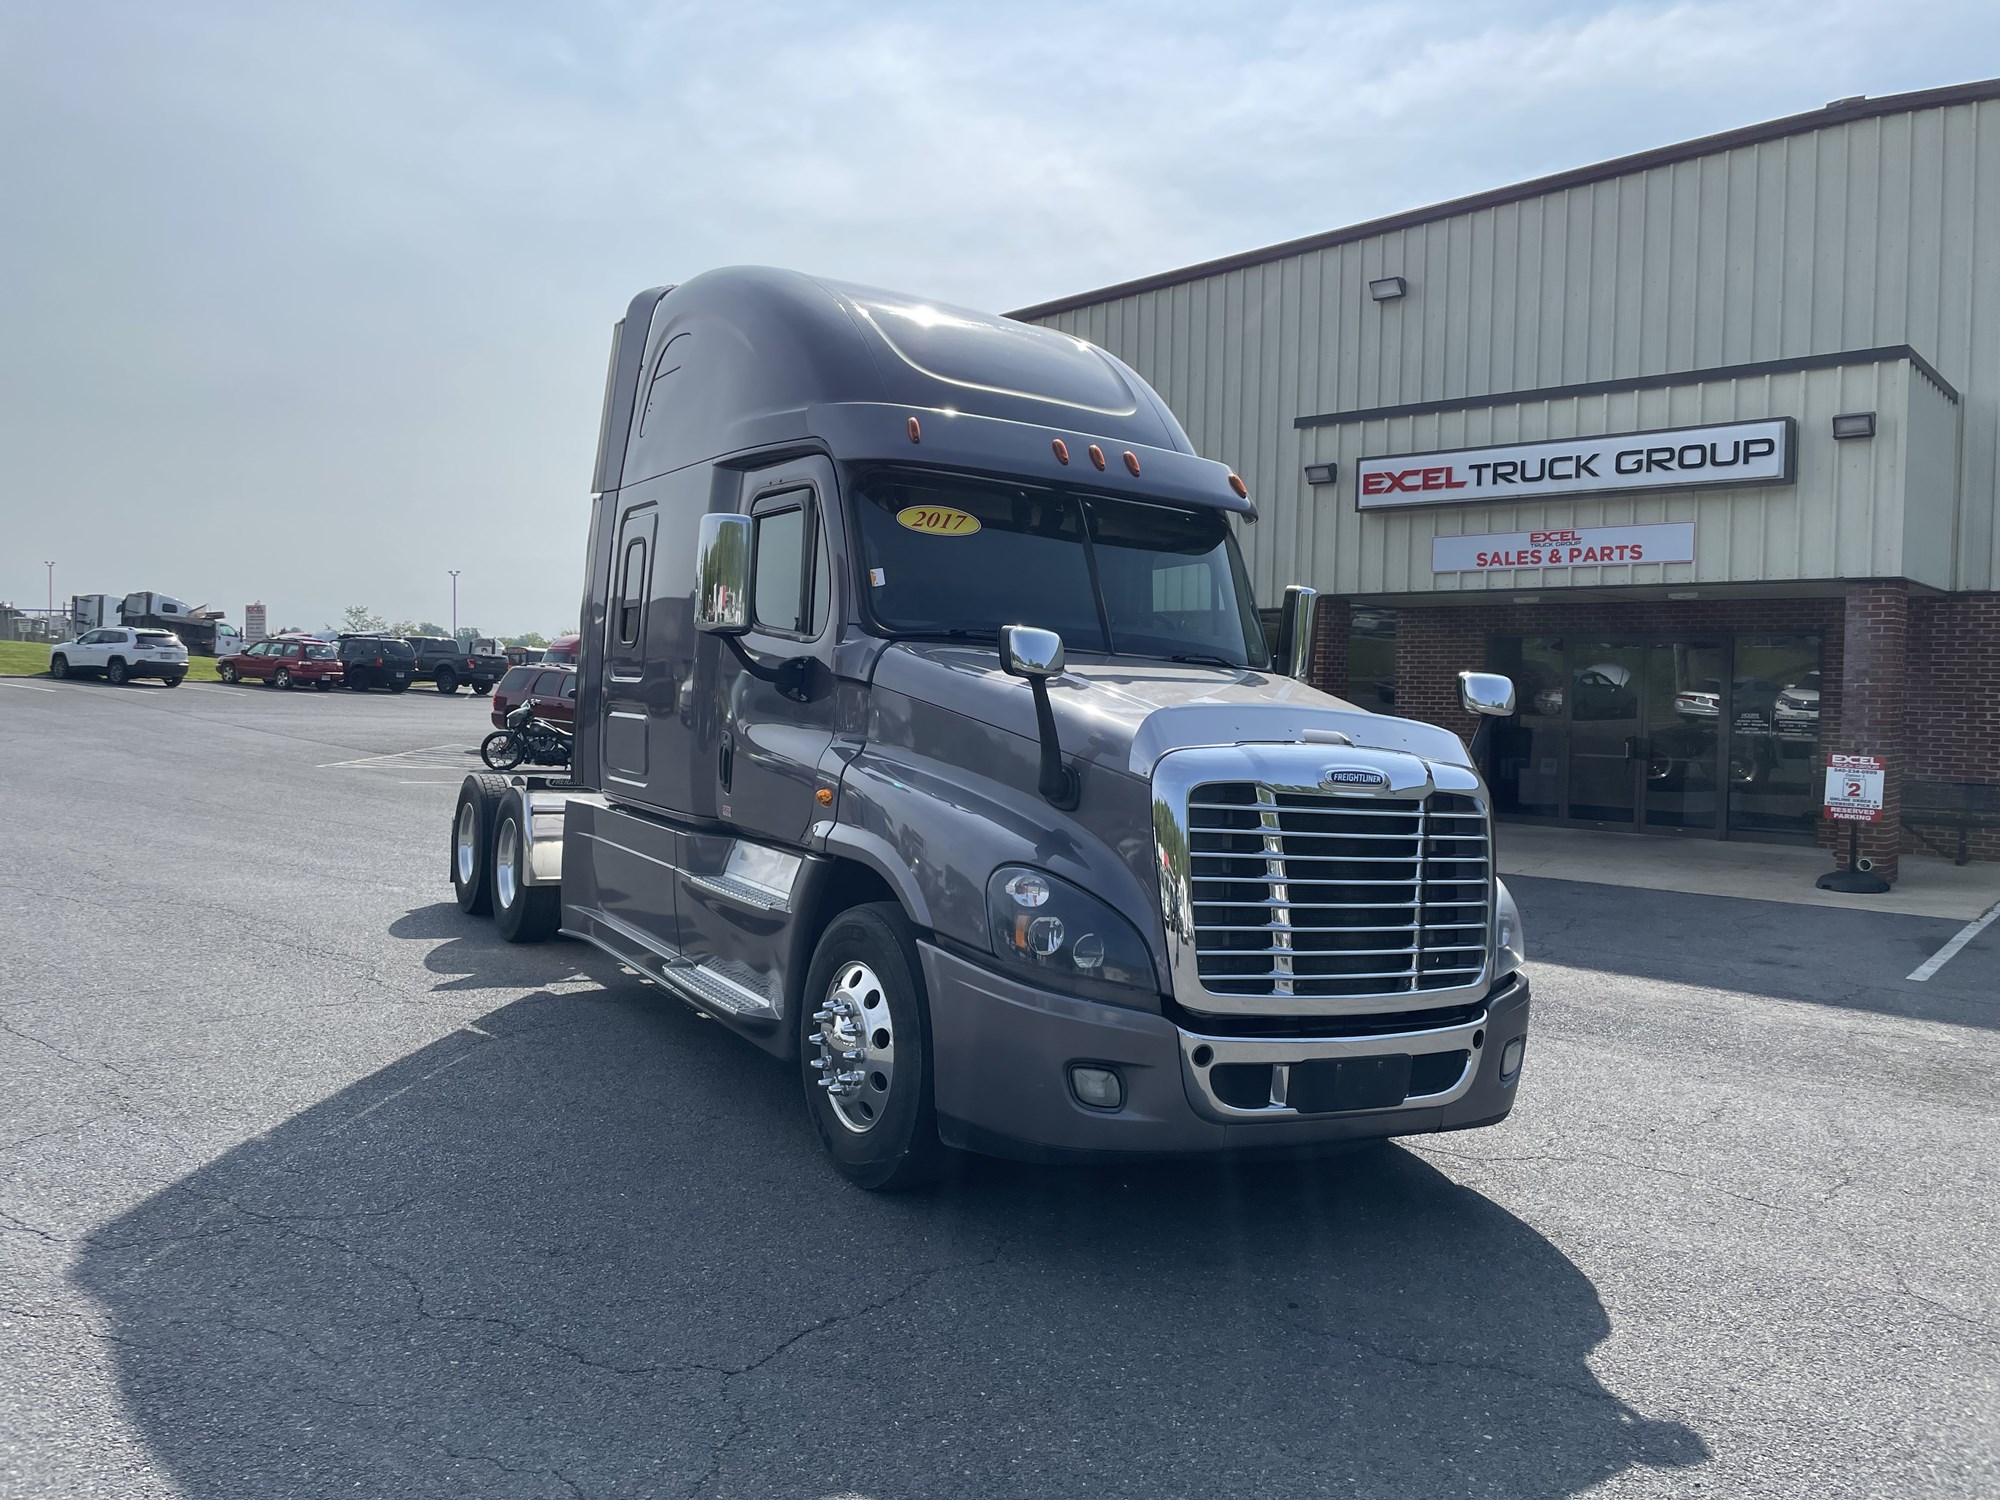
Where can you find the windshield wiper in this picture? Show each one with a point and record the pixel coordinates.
(1198, 659)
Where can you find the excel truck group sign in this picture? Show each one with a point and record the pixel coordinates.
(1732, 453)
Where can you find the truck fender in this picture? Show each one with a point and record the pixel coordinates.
(876, 853)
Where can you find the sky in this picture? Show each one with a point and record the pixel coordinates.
(310, 304)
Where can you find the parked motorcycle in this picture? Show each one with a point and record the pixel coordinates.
(526, 740)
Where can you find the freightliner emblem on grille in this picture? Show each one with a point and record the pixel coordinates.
(1344, 776)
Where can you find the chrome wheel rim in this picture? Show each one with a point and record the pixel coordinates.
(467, 842)
(856, 1038)
(506, 859)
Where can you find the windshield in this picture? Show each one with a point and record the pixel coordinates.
(944, 556)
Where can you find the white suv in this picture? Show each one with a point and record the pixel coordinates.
(122, 654)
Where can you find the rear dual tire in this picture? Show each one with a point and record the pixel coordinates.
(524, 913)
(479, 800)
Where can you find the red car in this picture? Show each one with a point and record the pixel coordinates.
(552, 688)
(286, 663)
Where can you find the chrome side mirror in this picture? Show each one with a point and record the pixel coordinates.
(1486, 693)
(1295, 630)
(722, 575)
(1038, 655)
(1026, 651)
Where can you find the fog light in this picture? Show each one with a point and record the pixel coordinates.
(1510, 1058)
(1100, 1088)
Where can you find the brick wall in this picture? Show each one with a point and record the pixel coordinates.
(1875, 684)
(1953, 726)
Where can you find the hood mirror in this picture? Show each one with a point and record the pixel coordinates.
(722, 575)
(1486, 693)
(1037, 655)
(1295, 631)
(1028, 652)
(1491, 696)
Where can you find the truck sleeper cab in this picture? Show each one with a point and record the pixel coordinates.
(928, 738)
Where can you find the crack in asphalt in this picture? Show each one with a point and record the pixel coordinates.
(719, 1453)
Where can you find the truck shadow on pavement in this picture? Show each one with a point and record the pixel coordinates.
(1850, 960)
(590, 1248)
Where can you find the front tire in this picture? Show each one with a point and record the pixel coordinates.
(399, 687)
(481, 689)
(115, 672)
(227, 673)
(865, 1052)
(472, 842)
(501, 750)
(59, 666)
(524, 913)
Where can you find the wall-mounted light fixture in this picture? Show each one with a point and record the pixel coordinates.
(1854, 424)
(1317, 474)
(1387, 288)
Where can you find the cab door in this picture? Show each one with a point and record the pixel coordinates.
(774, 732)
(256, 662)
(774, 712)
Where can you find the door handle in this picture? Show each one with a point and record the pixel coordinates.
(1631, 747)
(725, 758)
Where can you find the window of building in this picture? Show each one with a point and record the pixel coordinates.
(1371, 658)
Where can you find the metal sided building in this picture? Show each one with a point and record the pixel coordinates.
(1699, 445)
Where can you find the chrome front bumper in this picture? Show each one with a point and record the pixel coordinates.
(1202, 1055)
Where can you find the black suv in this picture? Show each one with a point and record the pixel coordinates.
(372, 661)
(477, 664)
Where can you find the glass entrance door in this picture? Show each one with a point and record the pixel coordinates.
(1687, 695)
(1606, 707)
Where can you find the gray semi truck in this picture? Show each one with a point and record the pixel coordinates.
(928, 737)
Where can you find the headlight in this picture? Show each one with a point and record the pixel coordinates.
(1513, 946)
(1069, 938)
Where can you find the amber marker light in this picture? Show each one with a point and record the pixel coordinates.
(1242, 490)
(916, 432)
(1061, 450)
(1097, 455)
(1132, 462)
(824, 796)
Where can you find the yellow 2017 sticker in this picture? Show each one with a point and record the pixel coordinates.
(937, 520)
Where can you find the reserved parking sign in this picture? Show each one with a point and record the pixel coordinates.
(1854, 788)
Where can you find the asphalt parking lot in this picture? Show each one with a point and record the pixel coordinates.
(311, 1187)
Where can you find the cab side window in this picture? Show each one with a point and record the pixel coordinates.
(788, 584)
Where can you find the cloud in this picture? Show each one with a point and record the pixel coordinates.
(347, 273)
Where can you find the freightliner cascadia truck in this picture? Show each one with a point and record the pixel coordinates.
(927, 736)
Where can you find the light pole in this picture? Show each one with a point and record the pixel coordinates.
(454, 602)
(52, 589)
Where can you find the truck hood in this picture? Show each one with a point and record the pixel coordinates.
(1125, 713)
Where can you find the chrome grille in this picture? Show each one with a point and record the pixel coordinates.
(1311, 894)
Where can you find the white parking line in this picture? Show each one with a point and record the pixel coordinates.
(430, 758)
(30, 686)
(1951, 949)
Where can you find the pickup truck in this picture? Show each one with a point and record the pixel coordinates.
(478, 664)
(927, 737)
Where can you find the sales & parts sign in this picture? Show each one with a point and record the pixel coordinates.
(1731, 453)
(1575, 547)
(1854, 788)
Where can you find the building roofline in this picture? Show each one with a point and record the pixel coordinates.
(1840, 112)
